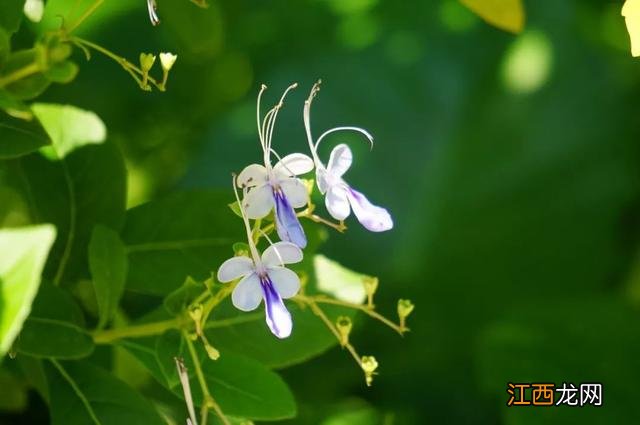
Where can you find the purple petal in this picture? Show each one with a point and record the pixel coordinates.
(372, 217)
(287, 223)
(277, 316)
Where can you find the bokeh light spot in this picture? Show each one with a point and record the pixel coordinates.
(527, 63)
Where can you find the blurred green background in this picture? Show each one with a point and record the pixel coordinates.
(510, 164)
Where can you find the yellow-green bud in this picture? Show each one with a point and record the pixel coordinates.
(195, 312)
(344, 325)
(369, 365)
(370, 287)
(211, 351)
(146, 61)
(405, 307)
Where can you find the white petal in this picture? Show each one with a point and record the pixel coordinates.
(247, 294)
(286, 282)
(337, 202)
(258, 202)
(295, 191)
(293, 165)
(252, 175)
(340, 160)
(372, 217)
(321, 179)
(281, 253)
(234, 268)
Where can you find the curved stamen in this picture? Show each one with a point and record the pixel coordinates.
(152, 7)
(270, 124)
(362, 131)
(260, 133)
(307, 123)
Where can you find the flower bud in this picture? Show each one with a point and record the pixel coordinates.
(369, 365)
(211, 351)
(344, 325)
(167, 60)
(405, 307)
(146, 61)
(370, 287)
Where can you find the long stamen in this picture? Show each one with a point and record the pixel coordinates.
(247, 226)
(260, 131)
(362, 131)
(152, 7)
(272, 120)
(307, 122)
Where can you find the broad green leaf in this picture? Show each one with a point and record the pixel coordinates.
(505, 14)
(108, 265)
(247, 333)
(69, 127)
(55, 327)
(631, 13)
(186, 234)
(5, 46)
(555, 341)
(24, 252)
(11, 14)
(241, 386)
(86, 188)
(19, 137)
(34, 83)
(82, 394)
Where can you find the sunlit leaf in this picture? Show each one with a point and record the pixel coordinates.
(82, 394)
(335, 279)
(508, 15)
(631, 13)
(108, 265)
(24, 252)
(69, 127)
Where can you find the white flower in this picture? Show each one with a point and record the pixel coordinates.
(340, 198)
(264, 277)
(34, 9)
(276, 186)
(167, 60)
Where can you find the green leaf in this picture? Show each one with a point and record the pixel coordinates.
(31, 85)
(24, 252)
(63, 72)
(82, 393)
(241, 386)
(5, 46)
(69, 127)
(19, 137)
(16, 399)
(108, 265)
(247, 333)
(86, 188)
(11, 14)
(186, 234)
(55, 327)
(504, 14)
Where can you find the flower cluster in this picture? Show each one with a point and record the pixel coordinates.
(278, 189)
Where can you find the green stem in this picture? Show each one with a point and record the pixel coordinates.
(132, 69)
(137, 331)
(85, 15)
(20, 73)
(72, 224)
